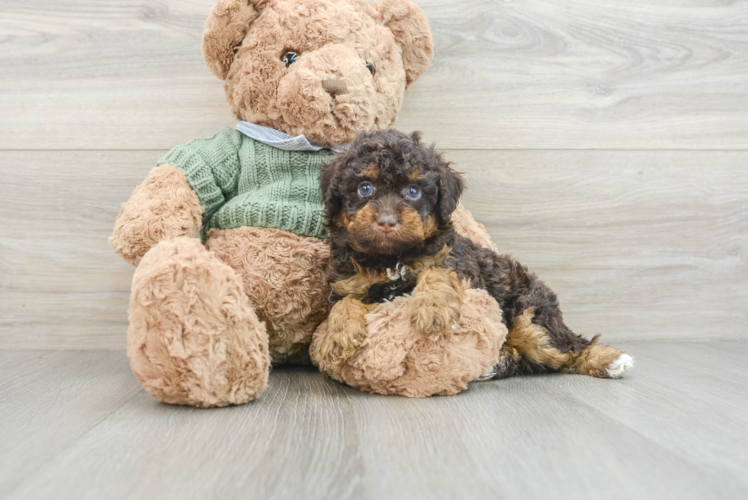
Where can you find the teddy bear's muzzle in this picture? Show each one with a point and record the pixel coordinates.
(334, 86)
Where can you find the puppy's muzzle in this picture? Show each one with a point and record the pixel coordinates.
(387, 222)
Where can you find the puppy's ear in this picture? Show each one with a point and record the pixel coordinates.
(411, 29)
(225, 29)
(329, 179)
(451, 186)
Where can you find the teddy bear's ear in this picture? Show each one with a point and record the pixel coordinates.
(411, 29)
(225, 29)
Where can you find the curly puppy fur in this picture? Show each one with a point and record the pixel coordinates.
(193, 336)
(328, 92)
(389, 202)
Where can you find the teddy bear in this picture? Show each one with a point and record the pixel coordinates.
(227, 231)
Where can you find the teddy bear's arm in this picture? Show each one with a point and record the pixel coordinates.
(189, 184)
(164, 206)
(466, 226)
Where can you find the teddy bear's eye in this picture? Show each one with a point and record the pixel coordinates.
(289, 57)
(371, 68)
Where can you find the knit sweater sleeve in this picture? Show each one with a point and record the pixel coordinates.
(211, 166)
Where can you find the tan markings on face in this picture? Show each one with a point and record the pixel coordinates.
(365, 236)
(429, 226)
(371, 171)
(344, 220)
(411, 220)
(415, 174)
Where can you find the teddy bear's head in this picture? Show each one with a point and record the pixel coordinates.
(323, 68)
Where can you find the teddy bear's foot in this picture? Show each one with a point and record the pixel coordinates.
(193, 337)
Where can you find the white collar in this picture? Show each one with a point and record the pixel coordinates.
(282, 140)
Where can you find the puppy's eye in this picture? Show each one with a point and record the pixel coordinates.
(365, 189)
(412, 193)
(371, 68)
(289, 57)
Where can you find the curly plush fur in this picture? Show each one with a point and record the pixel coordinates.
(389, 203)
(284, 277)
(164, 206)
(260, 293)
(393, 358)
(334, 40)
(193, 336)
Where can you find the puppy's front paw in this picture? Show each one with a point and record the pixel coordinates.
(342, 344)
(346, 331)
(436, 303)
(432, 321)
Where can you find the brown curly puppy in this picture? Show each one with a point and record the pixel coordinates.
(389, 200)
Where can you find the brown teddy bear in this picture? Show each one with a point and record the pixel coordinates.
(208, 317)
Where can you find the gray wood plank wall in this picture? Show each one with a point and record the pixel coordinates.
(605, 144)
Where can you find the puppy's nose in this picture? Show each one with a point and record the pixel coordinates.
(334, 86)
(387, 222)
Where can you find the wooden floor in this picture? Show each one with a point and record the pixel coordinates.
(604, 143)
(77, 424)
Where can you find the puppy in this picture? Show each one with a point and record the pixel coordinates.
(388, 202)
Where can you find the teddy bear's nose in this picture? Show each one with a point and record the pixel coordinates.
(334, 86)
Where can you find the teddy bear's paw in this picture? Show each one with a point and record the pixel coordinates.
(621, 364)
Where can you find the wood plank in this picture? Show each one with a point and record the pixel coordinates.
(692, 375)
(557, 436)
(62, 286)
(49, 400)
(85, 74)
(638, 245)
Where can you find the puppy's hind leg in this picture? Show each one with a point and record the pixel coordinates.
(538, 340)
(538, 351)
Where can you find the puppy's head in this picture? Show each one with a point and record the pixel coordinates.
(388, 192)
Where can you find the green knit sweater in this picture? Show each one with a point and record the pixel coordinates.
(243, 182)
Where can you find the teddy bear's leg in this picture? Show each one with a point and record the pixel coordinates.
(193, 337)
(530, 349)
(465, 225)
(285, 278)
